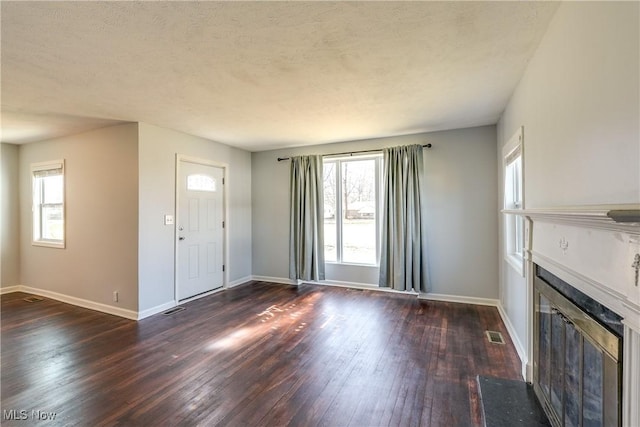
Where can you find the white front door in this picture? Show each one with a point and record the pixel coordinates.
(199, 229)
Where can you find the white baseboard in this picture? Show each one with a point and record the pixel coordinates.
(10, 289)
(343, 284)
(281, 280)
(337, 283)
(460, 299)
(239, 282)
(365, 286)
(155, 310)
(522, 354)
(92, 305)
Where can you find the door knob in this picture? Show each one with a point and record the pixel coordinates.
(180, 238)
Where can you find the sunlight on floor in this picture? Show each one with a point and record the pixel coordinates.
(273, 318)
(232, 340)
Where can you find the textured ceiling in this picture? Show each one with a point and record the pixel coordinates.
(262, 75)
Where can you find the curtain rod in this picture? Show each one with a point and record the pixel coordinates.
(350, 153)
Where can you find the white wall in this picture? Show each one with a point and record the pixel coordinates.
(461, 198)
(101, 254)
(579, 104)
(157, 161)
(9, 217)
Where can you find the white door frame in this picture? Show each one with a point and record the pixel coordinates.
(225, 215)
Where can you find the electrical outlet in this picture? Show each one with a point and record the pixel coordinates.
(115, 296)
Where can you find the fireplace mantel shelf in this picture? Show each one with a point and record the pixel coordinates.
(602, 217)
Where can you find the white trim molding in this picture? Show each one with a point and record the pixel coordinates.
(238, 282)
(369, 287)
(357, 285)
(522, 353)
(460, 299)
(631, 379)
(598, 216)
(155, 310)
(40, 170)
(80, 302)
(10, 289)
(513, 201)
(281, 280)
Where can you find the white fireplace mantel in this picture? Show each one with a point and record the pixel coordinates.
(592, 252)
(587, 248)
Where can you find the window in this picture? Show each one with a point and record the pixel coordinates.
(513, 200)
(201, 183)
(351, 207)
(48, 204)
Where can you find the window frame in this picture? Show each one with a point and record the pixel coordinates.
(339, 161)
(513, 200)
(38, 202)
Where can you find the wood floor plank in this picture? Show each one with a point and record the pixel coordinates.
(260, 354)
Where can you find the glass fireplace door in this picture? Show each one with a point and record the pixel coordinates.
(576, 367)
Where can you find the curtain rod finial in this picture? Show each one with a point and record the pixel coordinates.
(428, 145)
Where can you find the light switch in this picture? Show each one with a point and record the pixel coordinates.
(168, 220)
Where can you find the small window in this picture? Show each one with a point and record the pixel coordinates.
(201, 183)
(351, 210)
(513, 200)
(48, 204)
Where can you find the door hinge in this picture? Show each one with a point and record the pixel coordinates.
(222, 181)
(222, 224)
(223, 267)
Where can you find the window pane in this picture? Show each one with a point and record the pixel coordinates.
(518, 237)
(52, 189)
(48, 206)
(517, 170)
(513, 184)
(201, 183)
(330, 232)
(52, 222)
(359, 212)
(513, 200)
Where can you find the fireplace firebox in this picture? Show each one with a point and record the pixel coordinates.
(577, 369)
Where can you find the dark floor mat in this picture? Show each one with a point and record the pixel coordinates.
(509, 403)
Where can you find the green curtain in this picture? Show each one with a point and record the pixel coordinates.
(403, 263)
(306, 244)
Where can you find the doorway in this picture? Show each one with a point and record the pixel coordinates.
(199, 227)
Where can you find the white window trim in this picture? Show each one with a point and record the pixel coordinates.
(378, 189)
(512, 149)
(35, 167)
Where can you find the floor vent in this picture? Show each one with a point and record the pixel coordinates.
(173, 311)
(494, 337)
(33, 299)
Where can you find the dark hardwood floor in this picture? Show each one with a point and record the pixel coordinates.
(257, 355)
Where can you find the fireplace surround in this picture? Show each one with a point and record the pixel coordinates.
(595, 251)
